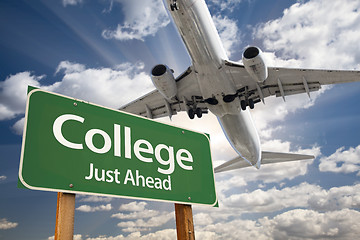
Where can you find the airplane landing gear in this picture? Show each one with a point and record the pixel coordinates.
(192, 112)
(174, 6)
(245, 103)
(192, 108)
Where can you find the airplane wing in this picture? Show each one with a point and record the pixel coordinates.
(154, 105)
(266, 158)
(282, 82)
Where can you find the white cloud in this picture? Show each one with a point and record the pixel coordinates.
(308, 224)
(222, 5)
(166, 234)
(268, 201)
(305, 196)
(18, 127)
(302, 196)
(142, 19)
(5, 224)
(87, 208)
(2, 178)
(156, 221)
(329, 216)
(312, 213)
(233, 229)
(69, 67)
(272, 60)
(228, 31)
(335, 198)
(295, 224)
(94, 199)
(320, 34)
(71, 2)
(342, 161)
(75, 237)
(13, 93)
(143, 219)
(133, 206)
(202, 219)
(146, 213)
(104, 86)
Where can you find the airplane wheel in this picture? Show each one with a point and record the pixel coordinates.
(174, 7)
(243, 105)
(251, 104)
(191, 113)
(199, 112)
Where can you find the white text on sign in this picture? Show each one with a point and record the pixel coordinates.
(182, 156)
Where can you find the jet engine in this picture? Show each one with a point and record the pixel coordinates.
(254, 64)
(164, 81)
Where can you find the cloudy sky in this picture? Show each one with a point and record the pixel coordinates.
(103, 50)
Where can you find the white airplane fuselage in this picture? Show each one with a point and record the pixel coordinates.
(197, 29)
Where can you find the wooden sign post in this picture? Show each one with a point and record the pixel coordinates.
(65, 211)
(184, 222)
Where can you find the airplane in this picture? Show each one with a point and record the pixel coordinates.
(226, 88)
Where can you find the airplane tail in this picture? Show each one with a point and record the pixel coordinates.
(266, 158)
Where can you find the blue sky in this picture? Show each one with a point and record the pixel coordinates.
(102, 51)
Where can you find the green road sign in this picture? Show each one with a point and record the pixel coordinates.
(74, 146)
